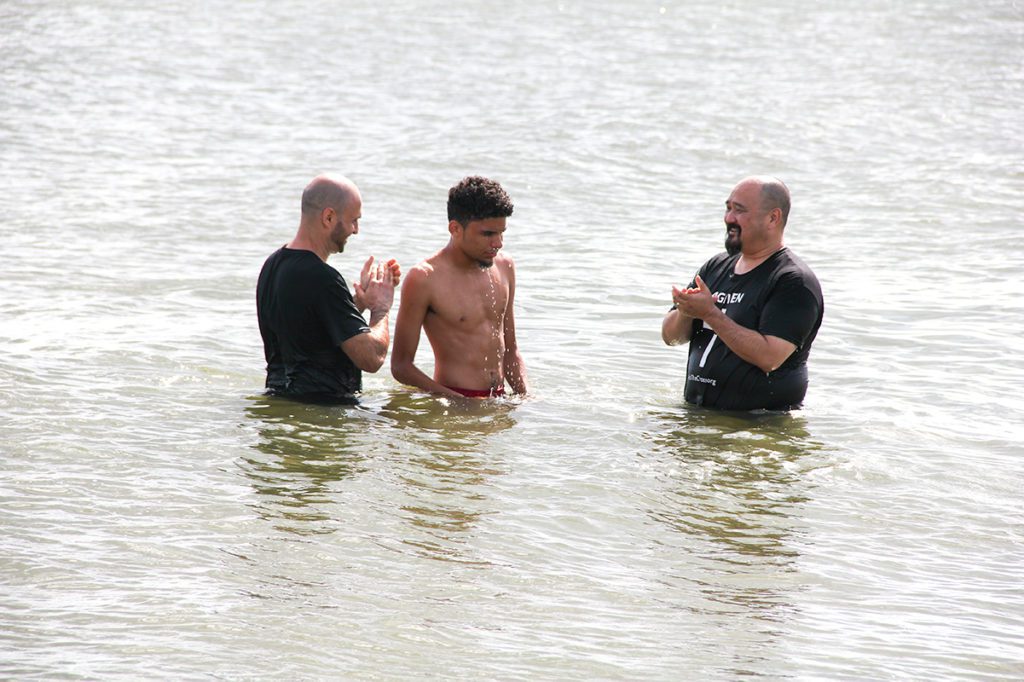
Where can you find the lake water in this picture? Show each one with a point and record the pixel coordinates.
(161, 518)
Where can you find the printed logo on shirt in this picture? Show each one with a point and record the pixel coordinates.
(724, 298)
(702, 380)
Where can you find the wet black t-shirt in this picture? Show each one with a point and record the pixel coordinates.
(305, 312)
(780, 297)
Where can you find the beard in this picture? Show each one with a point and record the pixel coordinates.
(484, 264)
(733, 244)
(338, 238)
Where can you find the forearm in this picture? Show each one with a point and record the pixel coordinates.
(515, 372)
(749, 344)
(676, 328)
(406, 372)
(379, 336)
(369, 349)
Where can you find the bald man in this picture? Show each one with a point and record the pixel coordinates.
(750, 314)
(315, 339)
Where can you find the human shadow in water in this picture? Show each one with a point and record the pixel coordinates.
(445, 468)
(302, 452)
(737, 483)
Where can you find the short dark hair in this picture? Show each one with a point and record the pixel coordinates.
(775, 194)
(477, 198)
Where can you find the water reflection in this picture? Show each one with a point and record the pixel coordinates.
(446, 472)
(303, 451)
(736, 485)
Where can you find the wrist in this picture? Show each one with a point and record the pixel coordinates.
(714, 318)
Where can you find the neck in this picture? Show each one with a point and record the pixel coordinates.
(458, 258)
(751, 259)
(303, 242)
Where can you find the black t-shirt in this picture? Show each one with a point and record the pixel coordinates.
(780, 297)
(305, 312)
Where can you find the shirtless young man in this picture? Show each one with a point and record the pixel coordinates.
(462, 297)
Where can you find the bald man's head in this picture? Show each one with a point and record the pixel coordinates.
(774, 194)
(326, 191)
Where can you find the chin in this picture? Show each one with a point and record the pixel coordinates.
(733, 245)
(484, 264)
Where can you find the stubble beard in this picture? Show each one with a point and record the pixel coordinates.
(338, 238)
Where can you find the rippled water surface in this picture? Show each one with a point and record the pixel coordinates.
(161, 518)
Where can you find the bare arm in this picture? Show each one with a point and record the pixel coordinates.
(765, 352)
(512, 361)
(368, 350)
(412, 310)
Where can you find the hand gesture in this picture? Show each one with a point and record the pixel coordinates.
(391, 267)
(376, 287)
(696, 302)
(395, 269)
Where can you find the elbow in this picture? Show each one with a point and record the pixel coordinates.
(770, 365)
(400, 369)
(672, 339)
(372, 365)
(374, 362)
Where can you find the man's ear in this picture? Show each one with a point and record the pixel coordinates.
(454, 227)
(325, 215)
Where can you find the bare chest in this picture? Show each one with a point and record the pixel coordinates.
(468, 302)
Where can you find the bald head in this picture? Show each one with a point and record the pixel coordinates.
(774, 194)
(326, 191)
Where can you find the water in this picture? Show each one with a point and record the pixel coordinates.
(162, 518)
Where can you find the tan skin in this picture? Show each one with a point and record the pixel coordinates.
(325, 231)
(761, 235)
(466, 310)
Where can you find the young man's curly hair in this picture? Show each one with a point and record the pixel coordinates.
(477, 198)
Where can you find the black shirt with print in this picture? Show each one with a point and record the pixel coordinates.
(780, 297)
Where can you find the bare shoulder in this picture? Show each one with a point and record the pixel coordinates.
(506, 266)
(422, 273)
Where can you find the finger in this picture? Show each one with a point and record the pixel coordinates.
(700, 285)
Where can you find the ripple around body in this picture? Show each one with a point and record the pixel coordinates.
(163, 519)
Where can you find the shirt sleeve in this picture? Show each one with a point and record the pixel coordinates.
(790, 312)
(338, 311)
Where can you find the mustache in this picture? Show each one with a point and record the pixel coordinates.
(733, 226)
